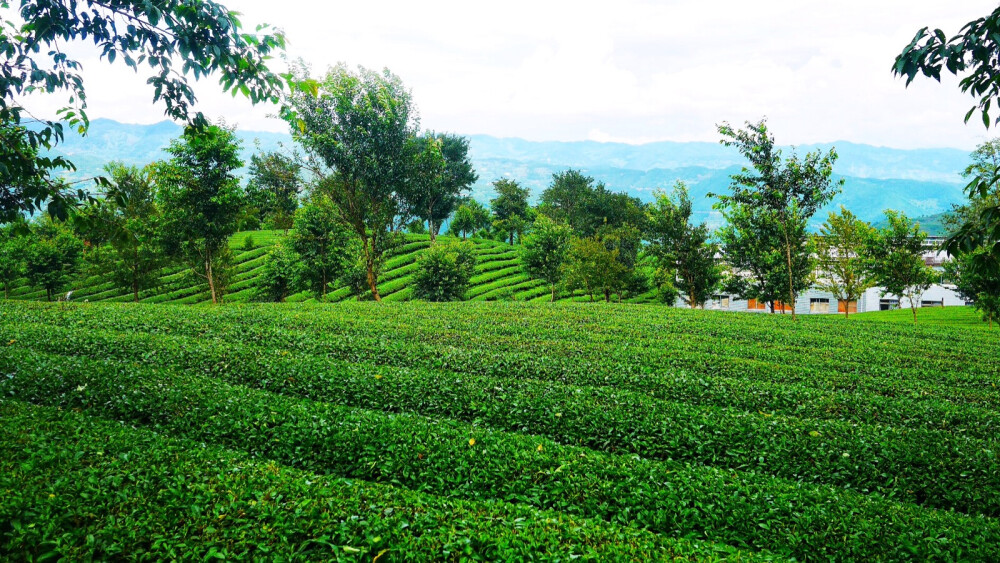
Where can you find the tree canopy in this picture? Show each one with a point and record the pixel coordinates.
(176, 41)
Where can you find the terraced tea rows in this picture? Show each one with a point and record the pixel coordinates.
(821, 439)
(499, 276)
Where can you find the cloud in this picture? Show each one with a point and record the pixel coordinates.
(629, 70)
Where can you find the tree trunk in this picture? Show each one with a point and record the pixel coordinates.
(370, 266)
(607, 296)
(553, 293)
(791, 291)
(771, 305)
(691, 299)
(913, 308)
(512, 238)
(430, 227)
(135, 292)
(210, 277)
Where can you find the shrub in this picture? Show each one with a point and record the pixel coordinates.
(443, 272)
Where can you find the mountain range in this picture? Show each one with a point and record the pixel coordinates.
(919, 182)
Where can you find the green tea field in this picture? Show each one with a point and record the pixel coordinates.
(503, 431)
(499, 276)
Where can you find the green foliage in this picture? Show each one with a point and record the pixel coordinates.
(273, 188)
(977, 277)
(52, 256)
(416, 227)
(443, 272)
(893, 256)
(470, 217)
(782, 194)
(125, 229)
(511, 214)
(321, 244)
(593, 267)
(974, 50)
(281, 273)
(839, 246)
(176, 41)
(620, 410)
(202, 201)
(685, 257)
(441, 172)
(574, 199)
(544, 251)
(12, 251)
(345, 115)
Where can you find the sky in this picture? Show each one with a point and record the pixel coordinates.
(624, 71)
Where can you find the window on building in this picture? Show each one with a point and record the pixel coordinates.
(845, 306)
(720, 301)
(780, 306)
(819, 305)
(755, 305)
(932, 303)
(888, 304)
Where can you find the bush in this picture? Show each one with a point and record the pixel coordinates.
(443, 272)
(280, 275)
(248, 243)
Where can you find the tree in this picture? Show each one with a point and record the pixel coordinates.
(273, 188)
(12, 253)
(356, 127)
(681, 249)
(127, 221)
(202, 201)
(280, 274)
(566, 198)
(751, 247)
(894, 258)
(787, 191)
(975, 276)
(443, 272)
(544, 251)
(470, 217)
(443, 173)
(510, 208)
(838, 248)
(176, 40)
(321, 243)
(592, 266)
(625, 241)
(974, 52)
(52, 256)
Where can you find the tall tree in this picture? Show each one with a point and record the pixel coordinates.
(128, 220)
(751, 247)
(175, 40)
(894, 256)
(202, 201)
(544, 251)
(566, 199)
(52, 256)
(427, 192)
(510, 208)
(838, 249)
(321, 243)
(273, 188)
(356, 127)
(591, 266)
(682, 248)
(788, 191)
(442, 190)
(470, 217)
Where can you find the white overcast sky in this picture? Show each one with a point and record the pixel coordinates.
(627, 71)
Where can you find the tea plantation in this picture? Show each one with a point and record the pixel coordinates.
(503, 431)
(499, 276)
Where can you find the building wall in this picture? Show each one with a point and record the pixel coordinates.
(870, 301)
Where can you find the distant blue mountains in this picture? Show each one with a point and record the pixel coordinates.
(919, 182)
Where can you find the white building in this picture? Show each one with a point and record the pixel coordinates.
(818, 301)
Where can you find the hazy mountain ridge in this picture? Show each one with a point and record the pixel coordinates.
(918, 182)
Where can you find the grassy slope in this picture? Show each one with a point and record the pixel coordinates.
(498, 277)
